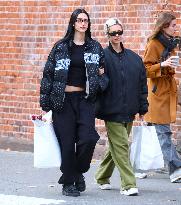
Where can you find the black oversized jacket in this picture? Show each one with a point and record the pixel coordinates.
(127, 92)
(53, 83)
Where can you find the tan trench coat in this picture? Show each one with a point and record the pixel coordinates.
(162, 88)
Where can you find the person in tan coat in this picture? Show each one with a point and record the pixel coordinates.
(162, 89)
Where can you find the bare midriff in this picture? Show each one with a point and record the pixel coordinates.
(69, 88)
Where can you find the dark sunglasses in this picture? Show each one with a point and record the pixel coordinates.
(114, 33)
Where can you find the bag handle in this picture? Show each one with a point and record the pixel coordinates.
(143, 123)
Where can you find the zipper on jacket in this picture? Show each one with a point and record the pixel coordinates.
(123, 82)
(63, 96)
(87, 82)
(86, 72)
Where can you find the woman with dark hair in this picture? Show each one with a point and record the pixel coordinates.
(72, 78)
(162, 89)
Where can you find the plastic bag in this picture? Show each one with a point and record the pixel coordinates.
(145, 150)
(179, 94)
(46, 147)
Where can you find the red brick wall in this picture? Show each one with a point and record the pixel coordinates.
(29, 30)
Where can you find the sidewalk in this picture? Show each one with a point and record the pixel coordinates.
(25, 145)
(21, 184)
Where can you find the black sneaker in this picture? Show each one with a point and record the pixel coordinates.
(70, 190)
(80, 183)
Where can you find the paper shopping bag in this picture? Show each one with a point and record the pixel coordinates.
(46, 147)
(145, 151)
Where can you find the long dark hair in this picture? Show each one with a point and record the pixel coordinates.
(163, 21)
(70, 30)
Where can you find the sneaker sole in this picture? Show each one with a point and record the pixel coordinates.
(135, 194)
(141, 177)
(176, 180)
(68, 194)
(105, 188)
(130, 192)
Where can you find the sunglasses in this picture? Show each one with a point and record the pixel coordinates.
(79, 20)
(114, 33)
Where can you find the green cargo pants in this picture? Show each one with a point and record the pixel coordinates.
(117, 154)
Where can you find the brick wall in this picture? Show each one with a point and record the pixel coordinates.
(28, 32)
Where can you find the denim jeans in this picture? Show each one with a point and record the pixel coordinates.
(168, 149)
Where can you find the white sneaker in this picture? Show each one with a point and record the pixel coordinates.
(176, 176)
(130, 192)
(140, 175)
(105, 186)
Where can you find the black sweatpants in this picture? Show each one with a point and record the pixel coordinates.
(75, 130)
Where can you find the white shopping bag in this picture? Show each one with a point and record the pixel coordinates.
(46, 148)
(145, 151)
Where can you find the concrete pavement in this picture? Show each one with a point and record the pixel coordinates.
(22, 184)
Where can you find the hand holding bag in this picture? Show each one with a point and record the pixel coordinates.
(145, 153)
(46, 147)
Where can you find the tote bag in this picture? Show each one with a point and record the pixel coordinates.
(46, 147)
(179, 94)
(145, 151)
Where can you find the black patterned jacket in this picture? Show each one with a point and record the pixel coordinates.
(53, 83)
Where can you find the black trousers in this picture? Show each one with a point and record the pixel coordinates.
(75, 130)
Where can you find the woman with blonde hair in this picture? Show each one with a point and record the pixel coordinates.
(162, 89)
(125, 97)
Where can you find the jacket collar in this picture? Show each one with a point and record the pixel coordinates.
(88, 43)
(112, 49)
